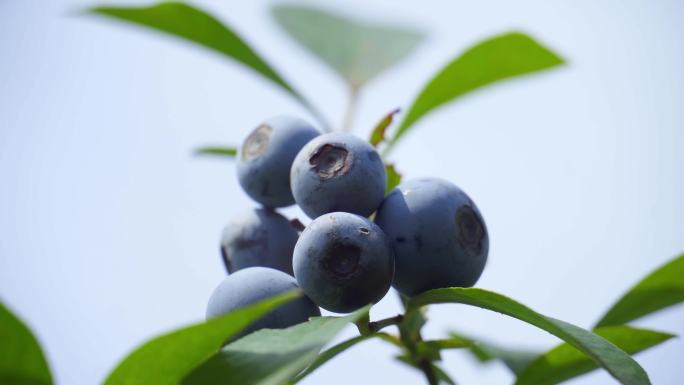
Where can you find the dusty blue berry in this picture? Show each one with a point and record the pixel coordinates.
(343, 261)
(254, 284)
(338, 172)
(260, 237)
(438, 235)
(266, 156)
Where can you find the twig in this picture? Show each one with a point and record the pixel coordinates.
(430, 375)
(378, 325)
(348, 119)
(297, 224)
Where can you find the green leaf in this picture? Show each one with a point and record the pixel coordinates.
(498, 58)
(165, 360)
(393, 178)
(194, 25)
(515, 359)
(565, 362)
(662, 288)
(221, 151)
(328, 355)
(271, 357)
(378, 133)
(618, 363)
(21, 359)
(357, 51)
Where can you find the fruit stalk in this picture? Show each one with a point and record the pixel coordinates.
(348, 119)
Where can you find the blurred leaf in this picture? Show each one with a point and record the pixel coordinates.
(378, 134)
(565, 362)
(432, 348)
(223, 151)
(358, 51)
(498, 58)
(442, 376)
(662, 288)
(328, 355)
(271, 357)
(21, 359)
(516, 360)
(393, 178)
(618, 363)
(194, 25)
(165, 360)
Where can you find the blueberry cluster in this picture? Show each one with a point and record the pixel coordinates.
(426, 232)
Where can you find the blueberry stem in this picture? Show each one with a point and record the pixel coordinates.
(350, 113)
(409, 333)
(297, 224)
(430, 375)
(378, 325)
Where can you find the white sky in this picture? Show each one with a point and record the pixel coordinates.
(109, 227)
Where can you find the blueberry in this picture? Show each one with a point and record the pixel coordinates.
(254, 284)
(266, 156)
(338, 172)
(261, 237)
(343, 261)
(438, 235)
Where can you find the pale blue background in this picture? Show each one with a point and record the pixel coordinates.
(109, 227)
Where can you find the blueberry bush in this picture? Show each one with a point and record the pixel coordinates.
(368, 231)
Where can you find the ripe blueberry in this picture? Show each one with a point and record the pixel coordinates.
(338, 172)
(438, 235)
(343, 261)
(266, 156)
(261, 237)
(254, 284)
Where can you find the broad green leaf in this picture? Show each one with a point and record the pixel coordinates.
(515, 359)
(271, 357)
(564, 361)
(356, 50)
(498, 58)
(167, 359)
(662, 288)
(328, 355)
(378, 133)
(21, 359)
(618, 363)
(393, 178)
(194, 25)
(221, 151)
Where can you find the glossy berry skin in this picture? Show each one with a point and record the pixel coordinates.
(254, 284)
(266, 156)
(260, 237)
(438, 235)
(343, 261)
(338, 172)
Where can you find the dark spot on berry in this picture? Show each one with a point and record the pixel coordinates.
(364, 231)
(257, 142)
(342, 260)
(470, 229)
(400, 239)
(330, 161)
